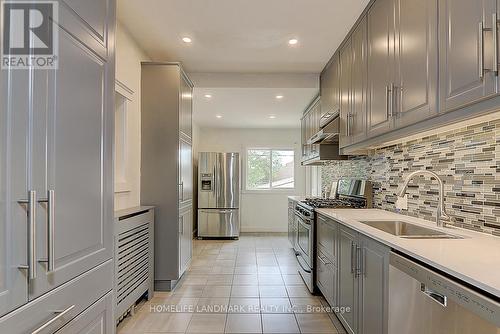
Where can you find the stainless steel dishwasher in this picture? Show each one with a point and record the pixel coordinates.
(424, 301)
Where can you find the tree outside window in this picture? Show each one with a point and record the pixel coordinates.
(270, 169)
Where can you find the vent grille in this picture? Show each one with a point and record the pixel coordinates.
(132, 261)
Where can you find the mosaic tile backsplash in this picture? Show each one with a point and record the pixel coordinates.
(468, 159)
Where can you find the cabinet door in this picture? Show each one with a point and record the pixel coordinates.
(374, 287)
(185, 238)
(327, 237)
(186, 172)
(97, 319)
(348, 284)
(329, 88)
(357, 126)
(186, 108)
(415, 93)
(72, 156)
(380, 66)
(14, 120)
(464, 77)
(345, 92)
(326, 278)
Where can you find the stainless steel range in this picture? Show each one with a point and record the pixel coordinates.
(351, 194)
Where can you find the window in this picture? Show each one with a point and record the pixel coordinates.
(270, 169)
(123, 97)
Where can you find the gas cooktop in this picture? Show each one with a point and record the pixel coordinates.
(316, 202)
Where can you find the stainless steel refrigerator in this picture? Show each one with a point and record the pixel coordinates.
(218, 195)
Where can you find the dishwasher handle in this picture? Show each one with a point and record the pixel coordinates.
(435, 296)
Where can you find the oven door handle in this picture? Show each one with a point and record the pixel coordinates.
(297, 254)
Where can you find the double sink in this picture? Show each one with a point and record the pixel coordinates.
(407, 230)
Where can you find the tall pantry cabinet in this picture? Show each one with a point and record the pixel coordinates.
(56, 180)
(166, 166)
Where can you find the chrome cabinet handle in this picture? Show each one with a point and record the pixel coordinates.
(352, 257)
(435, 296)
(322, 259)
(182, 190)
(50, 200)
(481, 50)
(387, 93)
(494, 33)
(31, 208)
(391, 100)
(181, 226)
(59, 315)
(359, 261)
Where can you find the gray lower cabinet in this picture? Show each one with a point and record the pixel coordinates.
(348, 288)
(56, 167)
(185, 237)
(97, 319)
(466, 54)
(355, 277)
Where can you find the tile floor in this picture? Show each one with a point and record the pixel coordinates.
(246, 286)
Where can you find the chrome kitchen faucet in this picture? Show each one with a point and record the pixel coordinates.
(441, 209)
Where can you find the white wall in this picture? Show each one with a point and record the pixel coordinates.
(128, 72)
(260, 212)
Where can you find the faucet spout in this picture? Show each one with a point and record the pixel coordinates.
(441, 209)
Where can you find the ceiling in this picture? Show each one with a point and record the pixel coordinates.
(239, 37)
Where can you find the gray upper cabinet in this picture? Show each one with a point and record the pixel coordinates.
(345, 92)
(329, 88)
(380, 20)
(357, 121)
(466, 57)
(416, 42)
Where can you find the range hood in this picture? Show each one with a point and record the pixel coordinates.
(328, 134)
(324, 153)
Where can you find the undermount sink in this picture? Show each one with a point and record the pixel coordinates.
(408, 230)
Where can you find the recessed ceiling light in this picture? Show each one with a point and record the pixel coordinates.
(208, 96)
(218, 116)
(279, 97)
(293, 41)
(187, 39)
(272, 116)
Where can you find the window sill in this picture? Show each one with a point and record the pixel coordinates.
(270, 191)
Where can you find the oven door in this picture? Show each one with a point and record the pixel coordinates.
(304, 240)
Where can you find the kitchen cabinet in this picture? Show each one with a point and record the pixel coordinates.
(97, 319)
(57, 163)
(186, 172)
(415, 92)
(353, 87)
(185, 238)
(355, 276)
(309, 127)
(348, 290)
(329, 89)
(373, 275)
(466, 52)
(167, 183)
(380, 53)
(345, 91)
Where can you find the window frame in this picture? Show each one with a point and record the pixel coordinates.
(271, 189)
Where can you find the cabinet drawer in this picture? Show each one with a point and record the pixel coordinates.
(327, 236)
(326, 278)
(72, 297)
(97, 319)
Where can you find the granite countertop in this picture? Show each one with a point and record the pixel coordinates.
(475, 259)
